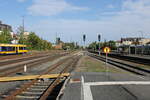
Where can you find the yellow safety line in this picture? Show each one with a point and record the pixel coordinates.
(29, 77)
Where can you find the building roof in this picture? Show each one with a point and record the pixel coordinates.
(131, 38)
(5, 26)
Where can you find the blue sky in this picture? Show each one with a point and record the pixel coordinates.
(70, 19)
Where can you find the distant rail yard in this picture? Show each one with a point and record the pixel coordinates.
(74, 50)
(51, 75)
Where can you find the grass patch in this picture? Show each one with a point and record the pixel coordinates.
(92, 66)
(89, 64)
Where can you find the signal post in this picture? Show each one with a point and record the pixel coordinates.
(106, 50)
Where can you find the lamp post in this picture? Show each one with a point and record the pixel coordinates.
(23, 29)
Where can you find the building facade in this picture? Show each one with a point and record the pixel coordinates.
(134, 46)
(5, 26)
(134, 41)
(144, 41)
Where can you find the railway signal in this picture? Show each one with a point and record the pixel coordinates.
(99, 39)
(84, 39)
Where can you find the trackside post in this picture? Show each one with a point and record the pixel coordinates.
(25, 68)
(106, 51)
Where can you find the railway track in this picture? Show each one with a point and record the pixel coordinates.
(122, 65)
(15, 67)
(11, 57)
(137, 60)
(21, 59)
(30, 54)
(41, 89)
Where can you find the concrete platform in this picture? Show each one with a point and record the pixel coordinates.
(107, 86)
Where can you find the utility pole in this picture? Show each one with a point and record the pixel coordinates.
(23, 28)
(23, 24)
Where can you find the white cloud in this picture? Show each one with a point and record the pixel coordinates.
(52, 7)
(111, 29)
(21, 0)
(110, 6)
(133, 17)
(139, 8)
(134, 14)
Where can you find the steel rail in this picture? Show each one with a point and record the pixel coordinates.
(28, 85)
(125, 66)
(11, 61)
(12, 70)
(57, 80)
(133, 59)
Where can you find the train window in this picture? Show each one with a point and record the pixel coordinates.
(13, 48)
(4, 48)
(25, 48)
(10, 48)
(20, 48)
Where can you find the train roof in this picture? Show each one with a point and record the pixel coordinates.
(12, 45)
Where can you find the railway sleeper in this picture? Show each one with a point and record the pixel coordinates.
(35, 91)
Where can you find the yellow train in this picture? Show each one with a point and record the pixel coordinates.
(13, 49)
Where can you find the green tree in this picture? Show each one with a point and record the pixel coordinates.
(22, 37)
(37, 43)
(5, 36)
(33, 41)
(95, 45)
(46, 45)
(69, 46)
(112, 45)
